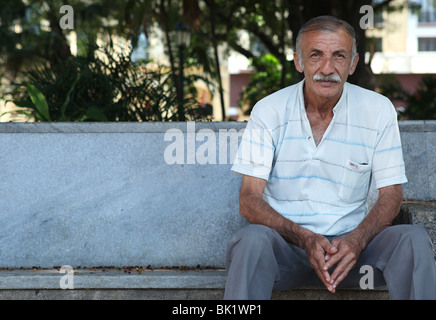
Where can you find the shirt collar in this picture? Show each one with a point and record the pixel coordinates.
(337, 107)
(342, 99)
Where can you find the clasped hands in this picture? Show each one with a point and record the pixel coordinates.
(323, 255)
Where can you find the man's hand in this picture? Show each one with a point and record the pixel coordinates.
(317, 248)
(348, 250)
(351, 245)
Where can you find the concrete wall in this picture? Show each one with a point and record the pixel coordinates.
(419, 148)
(104, 194)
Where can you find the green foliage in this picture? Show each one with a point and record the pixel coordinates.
(421, 104)
(39, 103)
(264, 81)
(270, 25)
(102, 87)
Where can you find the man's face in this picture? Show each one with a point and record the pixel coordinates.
(326, 58)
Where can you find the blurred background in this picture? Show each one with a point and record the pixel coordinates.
(202, 60)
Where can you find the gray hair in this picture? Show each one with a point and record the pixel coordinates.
(325, 23)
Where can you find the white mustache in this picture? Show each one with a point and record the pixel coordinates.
(331, 78)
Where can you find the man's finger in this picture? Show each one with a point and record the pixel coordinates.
(340, 274)
(325, 278)
(327, 246)
(332, 260)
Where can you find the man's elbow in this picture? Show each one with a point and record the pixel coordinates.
(244, 207)
(398, 194)
(392, 196)
(393, 192)
(249, 207)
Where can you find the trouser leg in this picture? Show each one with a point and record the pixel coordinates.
(260, 260)
(404, 255)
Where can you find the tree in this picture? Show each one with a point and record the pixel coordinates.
(272, 27)
(85, 87)
(275, 24)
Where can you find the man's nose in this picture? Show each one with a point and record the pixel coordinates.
(327, 66)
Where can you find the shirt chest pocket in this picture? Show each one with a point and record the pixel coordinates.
(355, 182)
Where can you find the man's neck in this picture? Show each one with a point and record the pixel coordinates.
(319, 111)
(319, 105)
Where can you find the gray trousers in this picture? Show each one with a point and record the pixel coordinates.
(259, 261)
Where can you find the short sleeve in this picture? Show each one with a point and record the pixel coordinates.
(256, 150)
(388, 163)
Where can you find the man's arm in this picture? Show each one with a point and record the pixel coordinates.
(253, 208)
(351, 245)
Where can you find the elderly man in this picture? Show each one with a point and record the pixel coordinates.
(307, 157)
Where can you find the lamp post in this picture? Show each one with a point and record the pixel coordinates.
(183, 37)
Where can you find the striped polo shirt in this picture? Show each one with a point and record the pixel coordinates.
(322, 188)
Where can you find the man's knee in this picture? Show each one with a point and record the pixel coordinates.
(252, 235)
(251, 241)
(411, 231)
(412, 235)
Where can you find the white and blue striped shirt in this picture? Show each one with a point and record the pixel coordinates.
(322, 188)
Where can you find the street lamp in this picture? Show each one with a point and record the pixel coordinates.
(182, 38)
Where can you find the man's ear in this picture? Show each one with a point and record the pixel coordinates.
(353, 67)
(297, 63)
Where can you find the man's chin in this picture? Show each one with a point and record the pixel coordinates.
(328, 89)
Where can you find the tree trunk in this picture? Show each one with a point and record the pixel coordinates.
(211, 5)
(164, 21)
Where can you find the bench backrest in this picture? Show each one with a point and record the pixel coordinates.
(159, 194)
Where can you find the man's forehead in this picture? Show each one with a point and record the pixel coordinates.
(317, 39)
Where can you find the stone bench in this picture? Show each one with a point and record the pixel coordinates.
(157, 195)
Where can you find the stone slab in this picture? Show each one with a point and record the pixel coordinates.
(103, 194)
(178, 295)
(419, 148)
(423, 214)
(111, 279)
(148, 285)
(79, 198)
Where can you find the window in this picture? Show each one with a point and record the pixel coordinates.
(427, 13)
(378, 18)
(426, 44)
(427, 17)
(378, 15)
